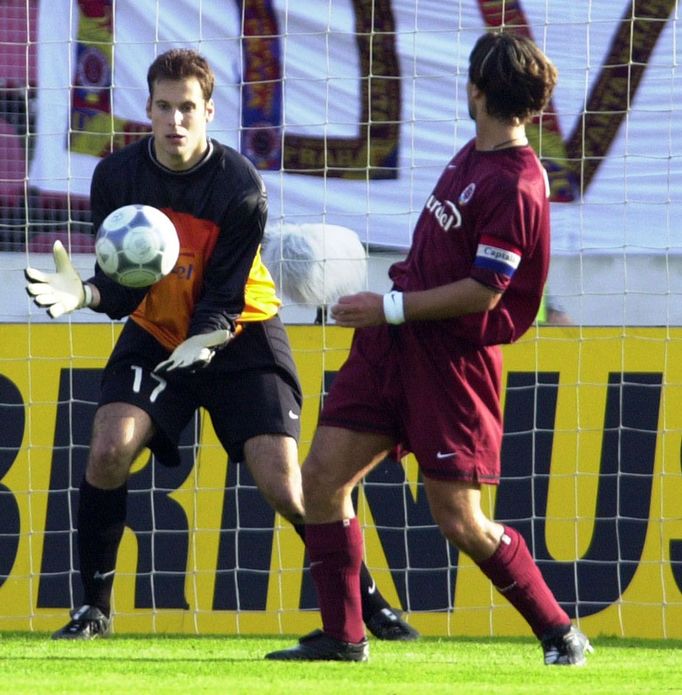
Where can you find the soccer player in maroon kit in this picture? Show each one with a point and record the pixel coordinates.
(424, 369)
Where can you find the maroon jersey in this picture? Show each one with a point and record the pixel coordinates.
(488, 219)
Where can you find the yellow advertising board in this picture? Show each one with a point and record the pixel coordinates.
(591, 476)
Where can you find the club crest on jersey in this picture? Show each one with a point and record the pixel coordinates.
(467, 194)
(497, 255)
(447, 215)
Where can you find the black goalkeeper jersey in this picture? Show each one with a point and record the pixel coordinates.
(219, 208)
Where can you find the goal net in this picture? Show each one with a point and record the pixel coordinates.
(350, 109)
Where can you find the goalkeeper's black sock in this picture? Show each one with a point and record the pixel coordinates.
(372, 599)
(101, 521)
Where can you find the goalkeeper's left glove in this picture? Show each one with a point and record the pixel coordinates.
(195, 352)
(61, 292)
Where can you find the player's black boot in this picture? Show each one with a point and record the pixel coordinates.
(567, 649)
(386, 624)
(87, 622)
(317, 646)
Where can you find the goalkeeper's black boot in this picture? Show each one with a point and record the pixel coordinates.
(387, 624)
(566, 648)
(87, 622)
(318, 646)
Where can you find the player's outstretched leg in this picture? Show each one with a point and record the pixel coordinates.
(566, 648)
(87, 623)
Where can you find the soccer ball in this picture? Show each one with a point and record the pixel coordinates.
(137, 245)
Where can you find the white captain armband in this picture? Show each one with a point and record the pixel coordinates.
(394, 311)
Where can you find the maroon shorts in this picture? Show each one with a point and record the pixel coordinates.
(439, 401)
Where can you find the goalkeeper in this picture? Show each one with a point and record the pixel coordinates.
(425, 366)
(207, 335)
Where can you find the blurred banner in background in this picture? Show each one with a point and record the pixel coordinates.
(352, 108)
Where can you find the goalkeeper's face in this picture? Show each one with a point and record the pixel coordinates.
(180, 116)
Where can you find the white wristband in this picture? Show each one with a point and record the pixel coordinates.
(87, 295)
(393, 308)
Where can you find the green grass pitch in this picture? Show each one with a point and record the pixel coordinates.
(134, 664)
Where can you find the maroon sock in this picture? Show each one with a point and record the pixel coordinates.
(335, 552)
(516, 576)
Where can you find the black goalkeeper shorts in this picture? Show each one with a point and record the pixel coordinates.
(249, 388)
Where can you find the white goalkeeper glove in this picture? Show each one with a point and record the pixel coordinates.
(195, 352)
(61, 292)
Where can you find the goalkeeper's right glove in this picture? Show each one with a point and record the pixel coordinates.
(61, 292)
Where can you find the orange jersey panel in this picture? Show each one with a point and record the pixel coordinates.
(166, 310)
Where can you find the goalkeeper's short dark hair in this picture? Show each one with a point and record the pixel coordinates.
(180, 64)
(516, 77)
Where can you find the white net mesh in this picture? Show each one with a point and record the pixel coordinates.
(350, 109)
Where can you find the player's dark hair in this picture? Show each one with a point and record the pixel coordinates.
(179, 64)
(513, 73)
